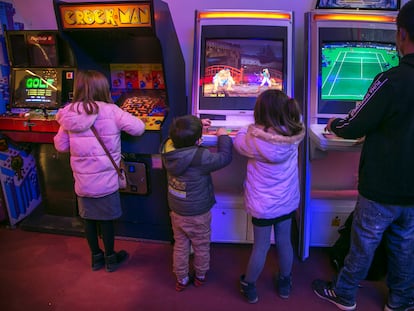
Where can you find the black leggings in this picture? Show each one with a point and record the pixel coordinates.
(108, 235)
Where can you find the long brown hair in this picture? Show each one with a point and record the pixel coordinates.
(90, 86)
(274, 109)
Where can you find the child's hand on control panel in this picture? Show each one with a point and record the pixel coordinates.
(206, 122)
(221, 131)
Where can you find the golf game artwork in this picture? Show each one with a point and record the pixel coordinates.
(348, 68)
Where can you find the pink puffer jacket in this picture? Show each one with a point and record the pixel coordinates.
(93, 171)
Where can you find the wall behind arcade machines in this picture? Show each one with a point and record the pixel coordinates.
(347, 48)
(135, 45)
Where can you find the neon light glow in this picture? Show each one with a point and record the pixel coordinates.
(241, 14)
(355, 17)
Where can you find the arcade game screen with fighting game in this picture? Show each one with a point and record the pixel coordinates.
(234, 64)
(235, 70)
(241, 67)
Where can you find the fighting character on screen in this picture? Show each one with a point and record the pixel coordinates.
(266, 77)
(223, 79)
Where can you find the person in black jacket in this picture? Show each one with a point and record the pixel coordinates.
(385, 205)
(191, 193)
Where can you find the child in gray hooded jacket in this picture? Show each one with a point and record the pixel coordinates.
(191, 193)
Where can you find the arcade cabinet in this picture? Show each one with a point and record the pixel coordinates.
(347, 47)
(41, 81)
(237, 55)
(135, 45)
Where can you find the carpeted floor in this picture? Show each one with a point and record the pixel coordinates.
(42, 271)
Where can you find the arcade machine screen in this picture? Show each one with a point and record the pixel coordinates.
(140, 90)
(236, 64)
(347, 69)
(35, 88)
(41, 88)
(236, 70)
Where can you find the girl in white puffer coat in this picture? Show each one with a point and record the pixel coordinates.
(271, 187)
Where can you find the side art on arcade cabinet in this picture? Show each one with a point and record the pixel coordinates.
(19, 181)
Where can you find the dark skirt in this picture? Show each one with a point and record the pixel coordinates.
(104, 208)
(262, 222)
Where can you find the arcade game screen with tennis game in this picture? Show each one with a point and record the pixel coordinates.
(348, 68)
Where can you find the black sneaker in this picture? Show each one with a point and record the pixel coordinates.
(284, 286)
(325, 291)
(98, 261)
(112, 262)
(248, 290)
(406, 307)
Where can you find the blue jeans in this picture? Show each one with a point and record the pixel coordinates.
(371, 222)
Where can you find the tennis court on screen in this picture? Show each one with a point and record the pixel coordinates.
(347, 72)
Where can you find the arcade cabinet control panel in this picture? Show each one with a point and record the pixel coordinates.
(232, 123)
(209, 138)
(30, 120)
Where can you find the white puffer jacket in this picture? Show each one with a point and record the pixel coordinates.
(272, 182)
(93, 171)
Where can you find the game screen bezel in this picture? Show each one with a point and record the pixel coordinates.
(242, 38)
(338, 69)
(250, 65)
(343, 34)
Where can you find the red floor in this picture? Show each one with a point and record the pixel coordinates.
(40, 271)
